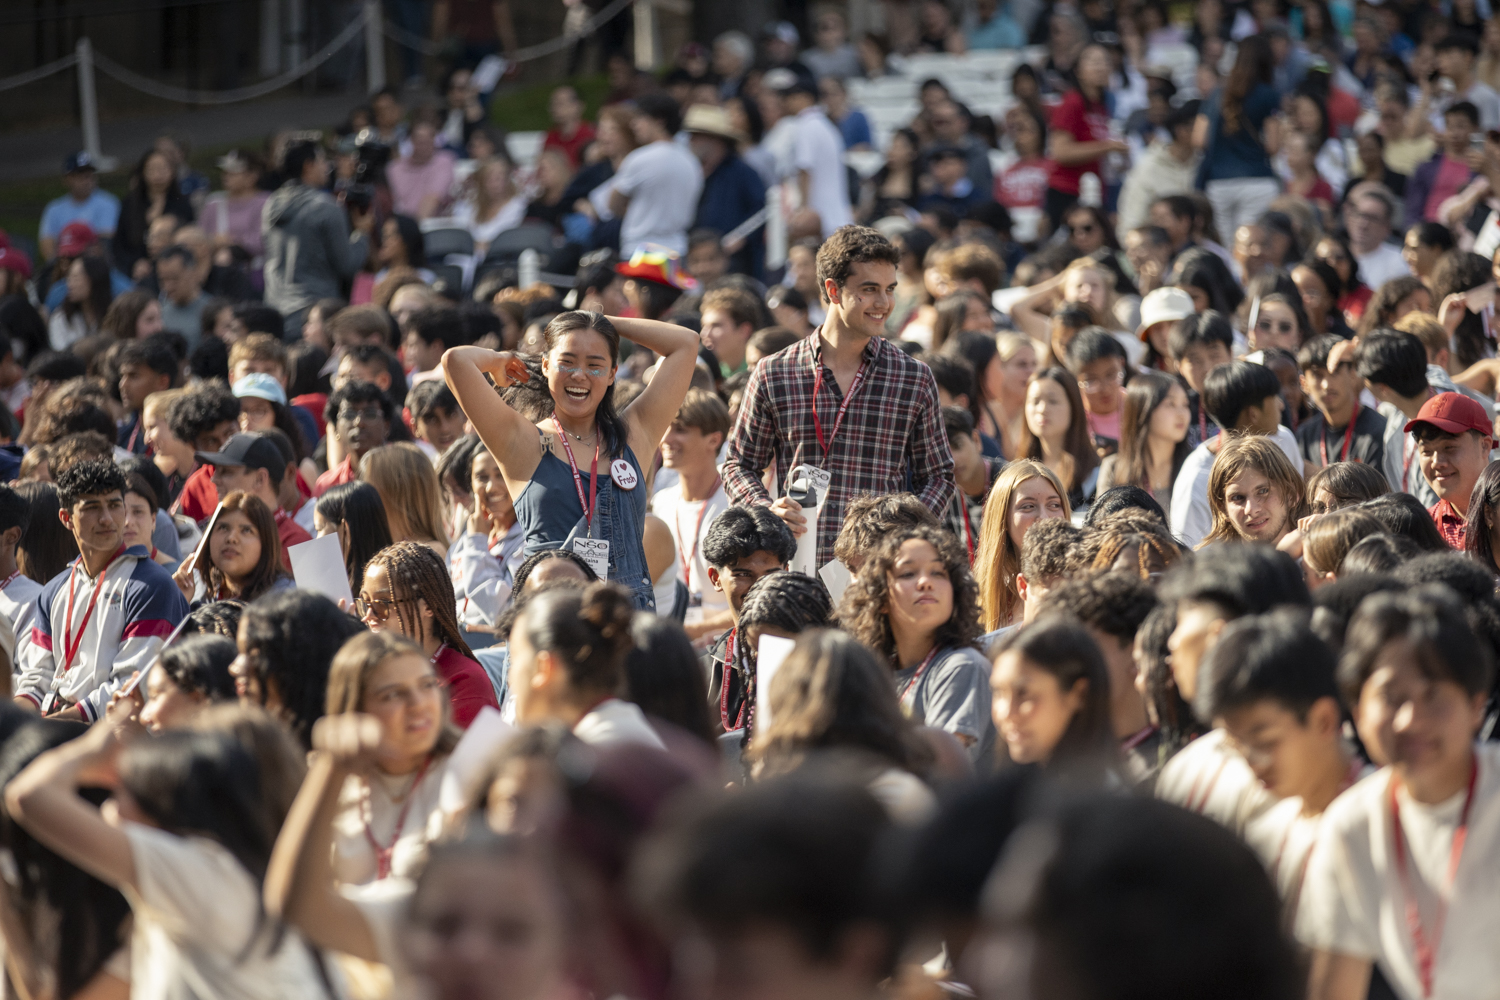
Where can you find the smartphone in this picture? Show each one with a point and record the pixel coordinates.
(1476, 141)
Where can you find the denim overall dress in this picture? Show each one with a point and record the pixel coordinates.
(551, 516)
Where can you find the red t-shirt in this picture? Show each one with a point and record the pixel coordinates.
(291, 534)
(314, 403)
(1024, 184)
(344, 472)
(469, 687)
(1343, 109)
(1085, 122)
(199, 495)
(575, 146)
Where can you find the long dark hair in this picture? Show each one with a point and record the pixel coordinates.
(1061, 647)
(1205, 270)
(1143, 395)
(46, 547)
(294, 635)
(267, 570)
(1385, 300)
(1460, 271)
(359, 506)
(100, 292)
(1078, 443)
(614, 434)
(664, 677)
(1484, 509)
(1167, 708)
(75, 921)
(1253, 64)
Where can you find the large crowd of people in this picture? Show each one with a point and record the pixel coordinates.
(1059, 562)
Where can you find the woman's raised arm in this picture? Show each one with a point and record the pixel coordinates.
(654, 410)
(509, 436)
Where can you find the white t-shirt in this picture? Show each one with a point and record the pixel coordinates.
(1381, 265)
(510, 215)
(196, 911)
(819, 149)
(1353, 901)
(617, 721)
(383, 905)
(689, 521)
(374, 799)
(1209, 778)
(663, 181)
(1190, 515)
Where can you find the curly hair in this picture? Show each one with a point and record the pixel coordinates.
(90, 478)
(200, 409)
(870, 517)
(1252, 451)
(863, 610)
(850, 245)
(417, 573)
(1156, 552)
(216, 618)
(1113, 603)
(293, 636)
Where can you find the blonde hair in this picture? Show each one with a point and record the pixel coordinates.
(1008, 345)
(408, 486)
(1426, 328)
(1260, 453)
(1106, 316)
(999, 560)
(157, 402)
(1330, 537)
(356, 662)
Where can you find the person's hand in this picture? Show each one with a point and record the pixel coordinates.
(184, 576)
(1119, 146)
(354, 741)
(126, 707)
(505, 367)
(1291, 542)
(362, 219)
(1452, 311)
(790, 512)
(1344, 350)
(480, 521)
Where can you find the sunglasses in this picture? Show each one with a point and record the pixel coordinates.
(1279, 326)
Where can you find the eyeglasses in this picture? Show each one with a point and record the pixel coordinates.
(590, 372)
(376, 609)
(422, 690)
(1279, 326)
(1095, 384)
(369, 414)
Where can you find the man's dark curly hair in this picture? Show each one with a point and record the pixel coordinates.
(743, 530)
(850, 245)
(862, 613)
(293, 636)
(358, 393)
(1114, 603)
(94, 477)
(200, 410)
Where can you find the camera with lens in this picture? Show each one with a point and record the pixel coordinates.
(371, 155)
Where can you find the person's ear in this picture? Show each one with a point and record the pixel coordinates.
(831, 289)
(1324, 718)
(719, 442)
(1021, 586)
(713, 578)
(11, 537)
(542, 671)
(66, 517)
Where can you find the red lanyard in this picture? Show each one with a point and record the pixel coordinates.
(1426, 949)
(838, 421)
(1202, 423)
(739, 719)
(71, 642)
(1131, 742)
(587, 505)
(921, 669)
(9, 580)
(383, 853)
(963, 507)
(687, 566)
(1348, 439)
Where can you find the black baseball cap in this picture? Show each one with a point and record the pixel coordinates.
(80, 160)
(248, 450)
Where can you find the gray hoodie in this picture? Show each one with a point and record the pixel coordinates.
(310, 252)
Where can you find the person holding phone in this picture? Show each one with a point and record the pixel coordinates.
(575, 475)
(844, 409)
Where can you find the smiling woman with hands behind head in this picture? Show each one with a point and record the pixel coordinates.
(582, 485)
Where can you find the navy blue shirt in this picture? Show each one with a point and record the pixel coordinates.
(731, 194)
(1240, 154)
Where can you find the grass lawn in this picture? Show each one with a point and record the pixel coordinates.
(523, 109)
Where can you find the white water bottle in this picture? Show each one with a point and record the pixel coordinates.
(529, 269)
(1090, 191)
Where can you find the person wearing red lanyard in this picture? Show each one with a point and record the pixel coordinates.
(973, 475)
(383, 825)
(1341, 430)
(545, 462)
(1269, 683)
(915, 603)
(845, 401)
(105, 616)
(1403, 873)
(691, 448)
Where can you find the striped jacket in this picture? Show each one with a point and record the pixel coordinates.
(137, 607)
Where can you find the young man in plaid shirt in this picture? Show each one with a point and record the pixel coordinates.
(845, 402)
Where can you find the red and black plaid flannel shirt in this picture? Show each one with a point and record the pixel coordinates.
(891, 440)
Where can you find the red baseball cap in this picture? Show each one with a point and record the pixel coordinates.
(1453, 413)
(75, 238)
(12, 259)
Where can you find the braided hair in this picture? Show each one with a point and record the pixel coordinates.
(418, 573)
(787, 602)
